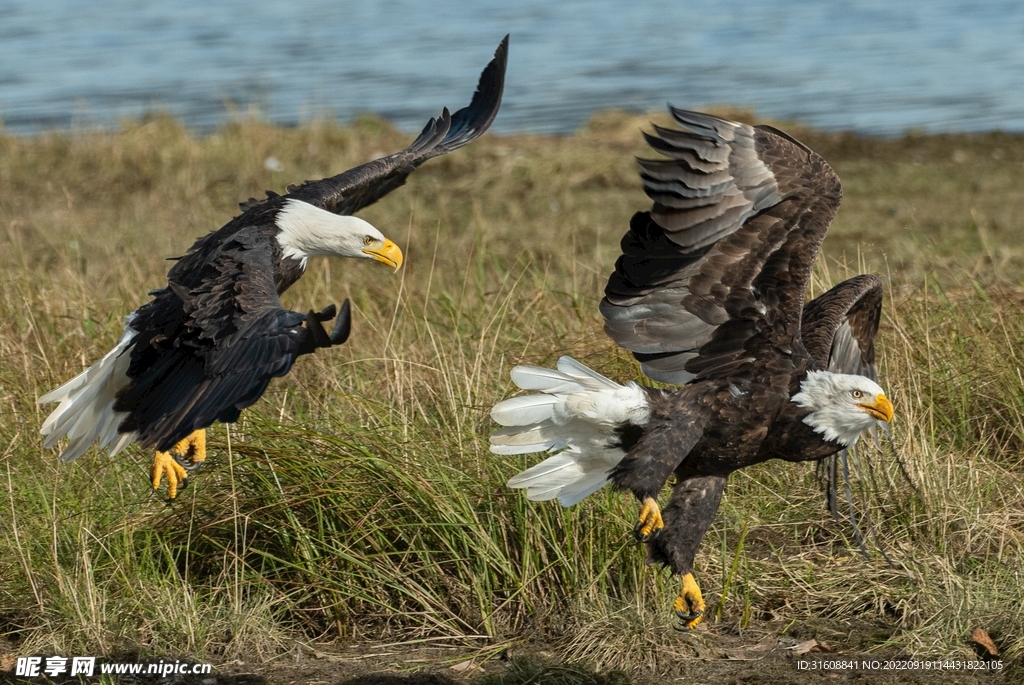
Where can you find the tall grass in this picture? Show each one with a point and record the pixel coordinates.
(357, 498)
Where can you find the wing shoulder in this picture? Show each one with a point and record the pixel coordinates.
(220, 298)
(227, 278)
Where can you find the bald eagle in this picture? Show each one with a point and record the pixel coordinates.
(206, 346)
(709, 294)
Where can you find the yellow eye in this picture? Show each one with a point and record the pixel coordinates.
(857, 394)
(368, 240)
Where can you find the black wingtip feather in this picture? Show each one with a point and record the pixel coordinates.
(317, 335)
(361, 186)
(343, 326)
(433, 133)
(327, 313)
(470, 122)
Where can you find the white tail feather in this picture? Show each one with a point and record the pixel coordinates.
(578, 412)
(587, 377)
(86, 410)
(522, 411)
(537, 378)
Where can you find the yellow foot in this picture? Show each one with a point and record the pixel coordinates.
(172, 464)
(689, 605)
(650, 521)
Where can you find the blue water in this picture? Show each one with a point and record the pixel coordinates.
(875, 67)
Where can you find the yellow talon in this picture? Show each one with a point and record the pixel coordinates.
(168, 464)
(689, 605)
(165, 465)
(193, 447)
(650, 520)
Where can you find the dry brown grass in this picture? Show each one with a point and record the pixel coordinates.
(359, 498)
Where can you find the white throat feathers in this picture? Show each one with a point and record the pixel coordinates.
(305, 230)
(842, 405)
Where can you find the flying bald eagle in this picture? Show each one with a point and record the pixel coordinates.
(206, 346)
(708, 293)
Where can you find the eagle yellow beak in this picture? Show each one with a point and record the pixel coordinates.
(388, 252)
(882, 408)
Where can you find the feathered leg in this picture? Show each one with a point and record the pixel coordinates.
(172, 465)
(653, 454)
(688, 515)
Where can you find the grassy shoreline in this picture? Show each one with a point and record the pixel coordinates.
(357, 499)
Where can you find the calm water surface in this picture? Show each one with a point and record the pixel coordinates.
(877, 67)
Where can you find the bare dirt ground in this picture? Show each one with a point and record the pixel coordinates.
(824, 652)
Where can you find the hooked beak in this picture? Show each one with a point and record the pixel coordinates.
(387, 253)
(882, 408)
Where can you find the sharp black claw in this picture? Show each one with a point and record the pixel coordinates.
(639, 537)
(684, 619)
(189, 465)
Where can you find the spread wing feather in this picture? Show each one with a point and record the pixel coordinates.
(839, 328)
(360, 187)
(720, 263)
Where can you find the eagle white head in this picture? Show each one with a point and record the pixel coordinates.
(305, 230)
(842, 405)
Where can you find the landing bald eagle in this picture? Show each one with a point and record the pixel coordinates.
(206, 346)
(708, 293)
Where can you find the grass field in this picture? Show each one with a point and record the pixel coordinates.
(357, 499)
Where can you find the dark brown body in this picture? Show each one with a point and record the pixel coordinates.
(709, 294)
(748, 425)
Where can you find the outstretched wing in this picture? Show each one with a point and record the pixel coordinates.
(360, 187)
(839, 326)
(724, 255)
(207, 348)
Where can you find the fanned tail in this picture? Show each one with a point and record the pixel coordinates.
(578, 413)
(86, 410)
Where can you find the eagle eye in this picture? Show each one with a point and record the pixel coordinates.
(368, 240)
(857, 394)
